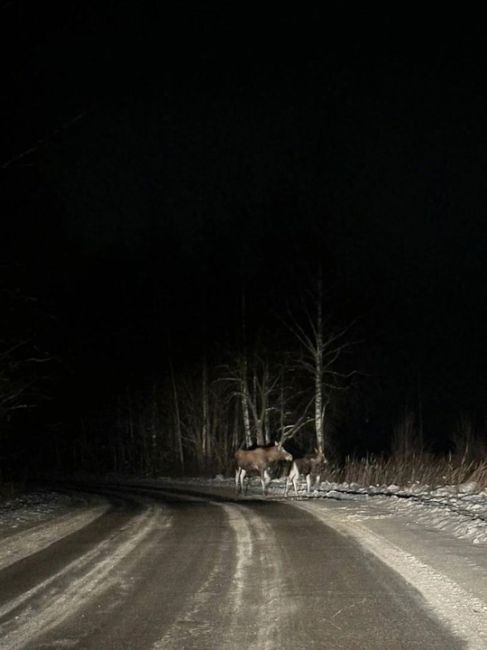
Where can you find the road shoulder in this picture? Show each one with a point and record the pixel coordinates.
(450, 573)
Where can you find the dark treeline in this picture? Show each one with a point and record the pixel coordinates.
(170, 187)
(137, 379)
(136, 350)
(103, 371)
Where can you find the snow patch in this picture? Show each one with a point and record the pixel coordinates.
(26, 542)
(34, 507)
(100, 566)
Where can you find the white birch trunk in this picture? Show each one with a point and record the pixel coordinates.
(245, 406)
(319, 425)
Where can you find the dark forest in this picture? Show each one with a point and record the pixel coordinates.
(212, 217)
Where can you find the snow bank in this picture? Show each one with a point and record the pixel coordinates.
(30, 508)
(460, 510)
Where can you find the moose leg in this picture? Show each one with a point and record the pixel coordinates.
(247, 481)
(293, 478)
(265, 479)
(288, 483)
(317, 481)
(240, 485)
(289, 480)
(295, 483)
(244, 484)
(308, 484)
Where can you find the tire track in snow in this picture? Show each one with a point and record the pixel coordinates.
(258, 562)
(194, 628)
(50, 605)
(465, 615)
(251, 611)
(20, 545)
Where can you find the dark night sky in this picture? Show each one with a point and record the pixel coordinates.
(220, 148)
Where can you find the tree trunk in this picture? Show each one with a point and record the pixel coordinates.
(258, 416)
(177, 419)
(319, 428)
(205, 433)
(245, 405)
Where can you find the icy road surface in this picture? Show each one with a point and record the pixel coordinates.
(166, 566)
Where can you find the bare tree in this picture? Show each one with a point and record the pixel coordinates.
(290, 404)
(255, 386)
(322, 346)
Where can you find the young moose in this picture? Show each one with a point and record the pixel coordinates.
(311, 467)
(258, 459)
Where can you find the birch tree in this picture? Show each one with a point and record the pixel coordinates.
(256, 389)
(322, 347)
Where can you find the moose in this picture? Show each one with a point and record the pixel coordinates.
(258, 459)
(309, 466)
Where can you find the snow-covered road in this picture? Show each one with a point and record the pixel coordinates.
(167, 565)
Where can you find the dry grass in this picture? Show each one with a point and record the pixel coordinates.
(413, 469)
